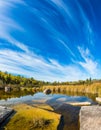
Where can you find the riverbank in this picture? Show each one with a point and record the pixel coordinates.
(37, 117)
(54, 103)
(94, 88)
(46, 114)
(42, 116)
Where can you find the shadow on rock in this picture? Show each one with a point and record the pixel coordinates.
(61, 123)
(70, 115)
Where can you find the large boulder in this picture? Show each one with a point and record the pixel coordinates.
(70, 114)
(47, 91)
(90, 118)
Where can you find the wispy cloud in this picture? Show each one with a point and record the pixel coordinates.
(57, 27)
(89, 63)
(7, 24)
(66, 46)
(36, 66)
(63, 6)
(87, 27)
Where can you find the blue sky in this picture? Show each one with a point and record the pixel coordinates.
(51, 40)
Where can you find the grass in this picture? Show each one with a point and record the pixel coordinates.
(94, 88)
(33, 118)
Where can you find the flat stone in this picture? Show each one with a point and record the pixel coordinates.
(4, 113)
(80, 103)
(90, 118)
(70, 115)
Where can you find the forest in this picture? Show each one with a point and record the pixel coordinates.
(7, 79)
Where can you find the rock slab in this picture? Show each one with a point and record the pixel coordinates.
(4, 113)
(90, 118)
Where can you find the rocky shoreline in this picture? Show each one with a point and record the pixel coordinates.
(5, 112)
(74, 116)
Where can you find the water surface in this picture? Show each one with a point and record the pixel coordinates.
(39, 96)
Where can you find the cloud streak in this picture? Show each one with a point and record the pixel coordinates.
(89, 64)
(47, 40)
(24, 64)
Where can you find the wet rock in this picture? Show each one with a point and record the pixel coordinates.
(70, 115)
(90, 118)
(47, 91)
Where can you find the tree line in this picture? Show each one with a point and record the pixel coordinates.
(21, 81)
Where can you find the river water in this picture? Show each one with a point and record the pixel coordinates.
(10, 99)
(57, 101)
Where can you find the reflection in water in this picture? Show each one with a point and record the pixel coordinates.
(89, 95)
(14, 94)
(28, 96)
(68, 121)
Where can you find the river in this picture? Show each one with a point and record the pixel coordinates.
(58, 101)
(13, 98)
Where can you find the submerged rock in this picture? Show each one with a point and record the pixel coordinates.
(90, 118)
(47, 91)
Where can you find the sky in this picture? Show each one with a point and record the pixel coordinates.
(51, 40)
